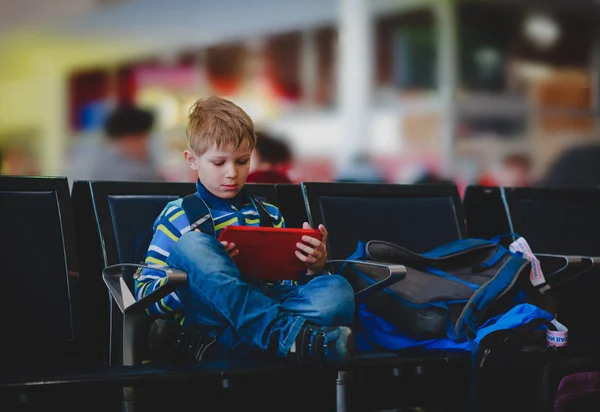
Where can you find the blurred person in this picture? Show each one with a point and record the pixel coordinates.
(576, 167)
(125, 154)
(271, 160)
(360, 169)
(513, 170)
(432, 178)
(487, 178)
(516, 171)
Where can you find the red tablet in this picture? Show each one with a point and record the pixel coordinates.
(268, 253)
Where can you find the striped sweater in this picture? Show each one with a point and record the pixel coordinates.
(172, 223)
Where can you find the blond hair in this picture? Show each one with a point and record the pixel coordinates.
(218, 121)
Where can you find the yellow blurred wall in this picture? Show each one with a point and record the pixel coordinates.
(33, 88)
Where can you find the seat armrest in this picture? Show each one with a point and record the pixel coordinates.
(560, 269)
(117, 277)
(570, 260)
(395, 274)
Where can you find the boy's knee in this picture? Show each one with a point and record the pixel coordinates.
(340, 287)
(197, 251)
(338, 308)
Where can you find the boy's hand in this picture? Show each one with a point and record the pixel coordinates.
(230, 248)
(314, 254)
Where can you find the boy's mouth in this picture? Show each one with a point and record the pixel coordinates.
(229, 187)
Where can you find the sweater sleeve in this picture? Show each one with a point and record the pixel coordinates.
(171, 224)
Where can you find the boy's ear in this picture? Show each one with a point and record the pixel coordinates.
(190, 158)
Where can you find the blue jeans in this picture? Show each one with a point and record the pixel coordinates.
(253, 315)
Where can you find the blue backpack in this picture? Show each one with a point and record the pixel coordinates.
(448, 293)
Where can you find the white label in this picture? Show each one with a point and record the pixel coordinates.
(557, 337)
(536, 276)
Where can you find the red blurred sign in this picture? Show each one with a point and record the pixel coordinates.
(167, 76)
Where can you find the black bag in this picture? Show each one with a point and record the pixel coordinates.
(514, 370)
(569, 385)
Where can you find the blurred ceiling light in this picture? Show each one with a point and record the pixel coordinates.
(542, 30)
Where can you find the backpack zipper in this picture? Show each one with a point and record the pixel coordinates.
(484, 357)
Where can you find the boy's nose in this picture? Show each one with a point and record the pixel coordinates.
(232, 172)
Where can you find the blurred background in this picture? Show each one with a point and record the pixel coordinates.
(401, 91)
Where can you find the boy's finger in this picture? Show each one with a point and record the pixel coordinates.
(305, 225)
(311, 240)
(301, 256)
(324, 232)
(305, 248)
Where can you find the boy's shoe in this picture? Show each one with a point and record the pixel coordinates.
(319, 345)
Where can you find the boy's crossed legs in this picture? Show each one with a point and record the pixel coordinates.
(305, 318)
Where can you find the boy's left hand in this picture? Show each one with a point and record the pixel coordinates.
(314, 251)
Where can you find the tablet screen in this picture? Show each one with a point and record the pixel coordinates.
(268, 253)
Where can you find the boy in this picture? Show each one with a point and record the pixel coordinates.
(303, 322)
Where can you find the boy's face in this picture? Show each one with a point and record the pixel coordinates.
(222, 171)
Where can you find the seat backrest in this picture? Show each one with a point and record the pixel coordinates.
(413, 216)
(291, 204)
(40, 291)
(125, 213)
(264, 192)
(552, 220)
(485, 214)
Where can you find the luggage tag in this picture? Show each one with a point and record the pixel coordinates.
(536, 276)
(559, 337)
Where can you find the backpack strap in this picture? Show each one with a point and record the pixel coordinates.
(265, 217)
(199, 216)
(390, 252)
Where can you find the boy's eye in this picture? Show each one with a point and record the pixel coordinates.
(218, 163)
(243, 162)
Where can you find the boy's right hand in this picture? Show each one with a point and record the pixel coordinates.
(230, 248)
